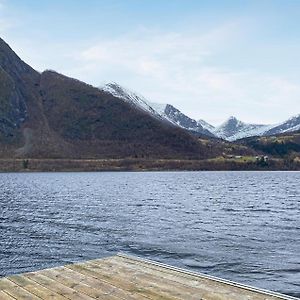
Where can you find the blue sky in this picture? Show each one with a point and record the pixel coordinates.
(211, 59)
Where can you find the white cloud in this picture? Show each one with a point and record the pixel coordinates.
(178, 68)
(182, 68)
(146, 51)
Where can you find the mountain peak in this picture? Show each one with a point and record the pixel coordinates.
(231, 122)
(233, 119)
(11, 62)
(4, 46)
(164, 112)
(229, 128)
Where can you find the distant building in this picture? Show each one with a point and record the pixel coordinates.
(262, 159)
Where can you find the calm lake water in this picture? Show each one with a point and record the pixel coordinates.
(242, 226)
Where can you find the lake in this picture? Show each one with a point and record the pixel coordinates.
(242, 226)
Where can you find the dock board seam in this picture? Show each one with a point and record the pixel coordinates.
(102, 280)
(9, 295)
(209, 277)
(152, 282)
(52, 289)
(37, 284)
(82, 283)
(168, 280)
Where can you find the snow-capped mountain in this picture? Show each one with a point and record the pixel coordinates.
(206, 125)
(132, 98)
(292, 124)
(233, 129)
(166, 112)
(177, 117)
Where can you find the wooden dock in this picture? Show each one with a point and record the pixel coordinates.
(125, 277)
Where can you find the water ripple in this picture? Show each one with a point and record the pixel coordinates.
(243, 226)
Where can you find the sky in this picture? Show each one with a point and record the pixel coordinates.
(210, 59)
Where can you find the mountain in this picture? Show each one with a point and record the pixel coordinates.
(292, 124)
(206, 125)
(165, 112)
(49, 115)
(18, 99)
(285, 145)
(137, 101)
(234, 129)
(231, 130)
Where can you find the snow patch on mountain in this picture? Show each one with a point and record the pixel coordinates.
(234, 129)
(231, 130)
(206, 125)
(292, 124)
(158, 107)
(165, 112)
(132, 98)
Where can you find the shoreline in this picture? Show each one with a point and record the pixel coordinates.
(140, 165)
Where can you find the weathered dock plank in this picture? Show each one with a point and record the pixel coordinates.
(57, 287)
(127, 278)
(34, 288)
(4, 296)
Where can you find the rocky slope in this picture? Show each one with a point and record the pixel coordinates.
(290, 125)
(234, 129)
(165, 112)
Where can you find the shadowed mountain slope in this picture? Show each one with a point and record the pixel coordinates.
(99, 124)
(286, 145)
(49, 115)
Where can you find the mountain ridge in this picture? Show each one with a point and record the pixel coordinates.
(49, 115)
(166, 112)
(234, 129)
(231, 130)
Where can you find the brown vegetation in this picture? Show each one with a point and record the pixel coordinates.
(218, 164)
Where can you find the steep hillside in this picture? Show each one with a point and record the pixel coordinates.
(206, 125)
(18, 98)
(290, 125)
(286, 145)
(165, 112)
(49, 115)
(177, 117)
(98, 124)
(16, 84)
